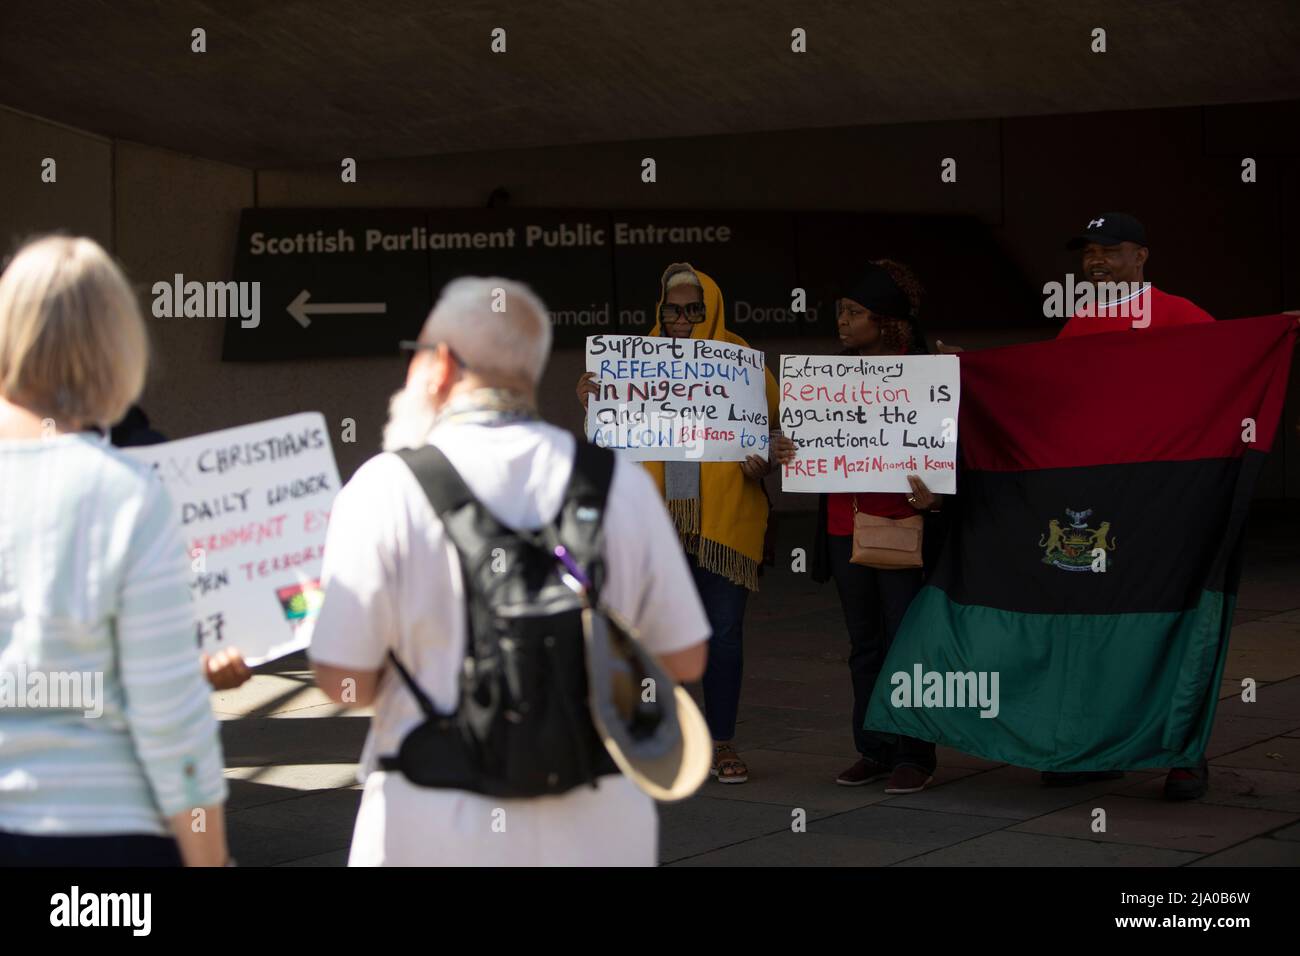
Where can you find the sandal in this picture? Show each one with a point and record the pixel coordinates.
(727, 766)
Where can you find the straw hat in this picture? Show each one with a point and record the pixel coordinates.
(654, 731)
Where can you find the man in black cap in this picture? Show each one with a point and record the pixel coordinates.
(1114, 253)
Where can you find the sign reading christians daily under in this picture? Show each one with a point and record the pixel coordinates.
(666, 399)
(864, 423)
(253, 504)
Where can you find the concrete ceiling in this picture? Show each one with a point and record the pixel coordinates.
(292, 83)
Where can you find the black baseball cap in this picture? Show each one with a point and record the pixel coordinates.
(1110, 229)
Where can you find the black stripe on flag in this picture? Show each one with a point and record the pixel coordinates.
(1168, 530)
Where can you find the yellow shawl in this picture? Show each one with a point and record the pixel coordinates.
(728, 537)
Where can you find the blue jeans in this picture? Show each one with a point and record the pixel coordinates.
(724, 603)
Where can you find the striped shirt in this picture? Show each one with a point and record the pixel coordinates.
(105, 719)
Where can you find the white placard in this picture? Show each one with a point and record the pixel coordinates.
(666, 399)
(864, 423)
(253, 503)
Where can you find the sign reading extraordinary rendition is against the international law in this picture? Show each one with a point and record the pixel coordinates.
(666, 399)
(253, 503)
(866, 422)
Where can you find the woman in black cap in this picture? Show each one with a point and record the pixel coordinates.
(877, 315)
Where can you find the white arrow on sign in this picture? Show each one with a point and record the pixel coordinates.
(299, 308)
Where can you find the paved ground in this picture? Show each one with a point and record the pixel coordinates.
(290, 756)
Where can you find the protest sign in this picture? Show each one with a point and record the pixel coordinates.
(253, 503)
(666, 399)
(866, 422)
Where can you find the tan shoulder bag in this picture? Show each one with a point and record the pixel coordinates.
(886, 543)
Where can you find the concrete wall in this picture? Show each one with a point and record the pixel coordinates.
(80, 200)
(1226, 245)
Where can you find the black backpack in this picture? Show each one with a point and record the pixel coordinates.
(523, 726)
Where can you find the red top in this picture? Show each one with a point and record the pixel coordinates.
(882, 504)
(1159, 308)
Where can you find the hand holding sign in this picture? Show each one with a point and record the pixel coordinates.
(921, 498)
(226, 669)
(783, 449)
(587, 387)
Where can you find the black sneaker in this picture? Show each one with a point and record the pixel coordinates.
(862, 772)
(907, 778)
(1053, 778)
(1188, 783)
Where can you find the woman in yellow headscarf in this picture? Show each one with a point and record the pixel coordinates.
(720, 511)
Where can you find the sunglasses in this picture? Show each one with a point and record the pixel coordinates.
(694, 311)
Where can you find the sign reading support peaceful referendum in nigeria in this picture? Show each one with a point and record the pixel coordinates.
(864, 423)
(253, 503)
(666, 399)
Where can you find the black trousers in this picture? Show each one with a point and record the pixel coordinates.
(874, 603)
(126, 849)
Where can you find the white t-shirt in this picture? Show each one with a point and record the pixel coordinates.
(392, 580)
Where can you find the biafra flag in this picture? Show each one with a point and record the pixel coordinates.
(1091, 572)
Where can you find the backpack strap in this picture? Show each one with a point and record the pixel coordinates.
(467, 529)
(579, 522)
(421, 698)
(448, 495)
(579, 525)
(438, 478)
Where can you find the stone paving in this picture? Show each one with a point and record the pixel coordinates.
(291, 756)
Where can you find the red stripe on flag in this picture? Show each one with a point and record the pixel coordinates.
(1172, 394)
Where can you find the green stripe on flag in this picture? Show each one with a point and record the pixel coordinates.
(1064, 691)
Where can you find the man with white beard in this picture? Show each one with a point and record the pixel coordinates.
(394, 592)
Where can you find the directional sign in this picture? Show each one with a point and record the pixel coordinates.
(345, 282)
(564, 256)
(299, 308)
(337, 283)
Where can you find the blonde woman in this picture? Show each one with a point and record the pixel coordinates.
(117, 762)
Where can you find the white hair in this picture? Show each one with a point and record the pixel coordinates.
(493, 325)
(411, 416)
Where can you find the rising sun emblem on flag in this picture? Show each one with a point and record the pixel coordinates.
(1072, 548)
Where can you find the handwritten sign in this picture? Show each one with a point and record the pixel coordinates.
(864, 423)
(666, 399)
(253, 503)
